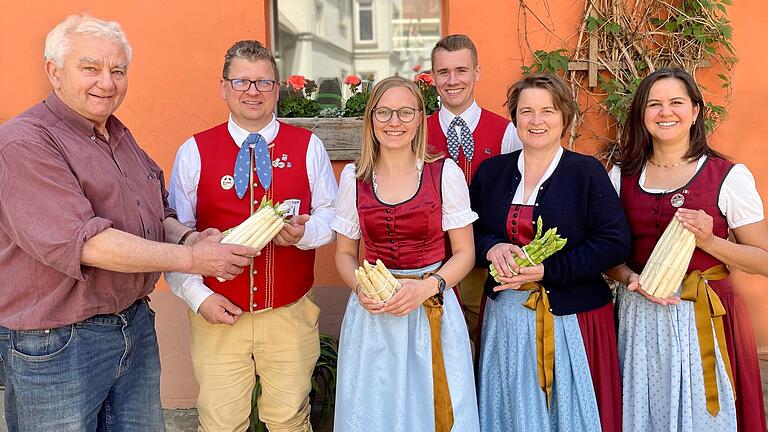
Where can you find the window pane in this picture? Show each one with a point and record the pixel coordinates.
(366, 25)
(326, 40)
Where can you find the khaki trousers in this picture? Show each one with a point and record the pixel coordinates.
(281, 346)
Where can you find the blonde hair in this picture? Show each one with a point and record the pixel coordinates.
(370, 145)
(57, 43)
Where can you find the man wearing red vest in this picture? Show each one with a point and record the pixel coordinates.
(468, 134)
(262, 322)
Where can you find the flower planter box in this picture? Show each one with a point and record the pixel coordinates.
(340, 135)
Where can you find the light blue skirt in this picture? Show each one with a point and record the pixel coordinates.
(511, 398)
(385, 371)
(663, 382)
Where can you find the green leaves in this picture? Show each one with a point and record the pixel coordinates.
(548, 62)
(295, 104)
(355, 105)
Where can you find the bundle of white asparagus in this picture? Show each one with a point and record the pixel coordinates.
(376, 281)
(259, 229)
(669, 261)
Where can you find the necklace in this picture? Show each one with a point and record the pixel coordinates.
(676, 164)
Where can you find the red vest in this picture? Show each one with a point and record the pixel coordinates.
(520, 229)
(408, 235)
(488, 135)
(649, 214)
(281, 275)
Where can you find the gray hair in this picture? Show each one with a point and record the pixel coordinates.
(251, 50)
(57, 43)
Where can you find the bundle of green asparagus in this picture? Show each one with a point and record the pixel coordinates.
(539, 249)
(666, 267)
(376, 281)
(259, 229)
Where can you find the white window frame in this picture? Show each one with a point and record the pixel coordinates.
(365, 5)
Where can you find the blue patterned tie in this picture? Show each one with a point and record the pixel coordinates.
(243, 164)
(467, 141)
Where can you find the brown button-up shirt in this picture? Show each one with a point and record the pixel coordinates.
(61, 183)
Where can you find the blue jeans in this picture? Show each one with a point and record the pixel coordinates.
(101, 374)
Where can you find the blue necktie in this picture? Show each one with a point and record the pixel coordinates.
(243, 164)
(467, 141)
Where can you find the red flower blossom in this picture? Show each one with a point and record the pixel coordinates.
(417, 68)
(352, 80)
(424, 78)
(296, 81)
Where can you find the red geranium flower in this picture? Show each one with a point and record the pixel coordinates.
(296, 81)
(424, 78)
(352, 80)
(417, 68)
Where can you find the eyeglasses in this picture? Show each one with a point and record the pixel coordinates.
(405, 114)
(243, 85)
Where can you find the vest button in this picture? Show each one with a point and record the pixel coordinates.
(255, 305)
(389, 234)
(389, 219)
(389, 226)
(391, 240)
(514, 222)
(514, 215)
(393, 257)
(389, 210)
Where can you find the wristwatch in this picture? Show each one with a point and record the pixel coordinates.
(440, 283)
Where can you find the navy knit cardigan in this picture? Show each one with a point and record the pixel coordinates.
(580, 201)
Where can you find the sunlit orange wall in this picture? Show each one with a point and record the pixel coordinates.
(178, 51)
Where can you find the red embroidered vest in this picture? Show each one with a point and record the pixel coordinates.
(649, 214)
(488, 136)
(281, 275)
(408, 235)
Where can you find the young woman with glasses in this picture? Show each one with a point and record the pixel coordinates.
(404, 363)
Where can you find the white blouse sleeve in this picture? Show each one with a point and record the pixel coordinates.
(456, 210)
(615, 175)
(739, 200)
(346, 221)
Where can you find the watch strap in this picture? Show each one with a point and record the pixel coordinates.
(441, 285)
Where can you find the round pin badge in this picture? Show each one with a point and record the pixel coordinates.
(227, 182)
(677, 200)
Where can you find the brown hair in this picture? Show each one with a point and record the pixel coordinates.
(561, 96)
(370, 145)
(636, 141)
(251, 50)
(455, 42)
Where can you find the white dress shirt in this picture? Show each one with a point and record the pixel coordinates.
(471, 117)
(183, 198)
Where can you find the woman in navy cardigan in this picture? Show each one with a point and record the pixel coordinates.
(548, 355)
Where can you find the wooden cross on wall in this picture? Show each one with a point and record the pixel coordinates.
(592, 65)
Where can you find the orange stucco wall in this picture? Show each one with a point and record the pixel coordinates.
(178, 50)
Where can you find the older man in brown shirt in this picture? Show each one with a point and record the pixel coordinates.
(83, 218)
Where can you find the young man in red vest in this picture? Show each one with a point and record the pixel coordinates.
(468, 134)
(262, 322)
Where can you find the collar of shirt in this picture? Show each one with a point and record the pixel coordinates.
(471, 116)
(81, 124)
(518, 198)
(238, 134)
